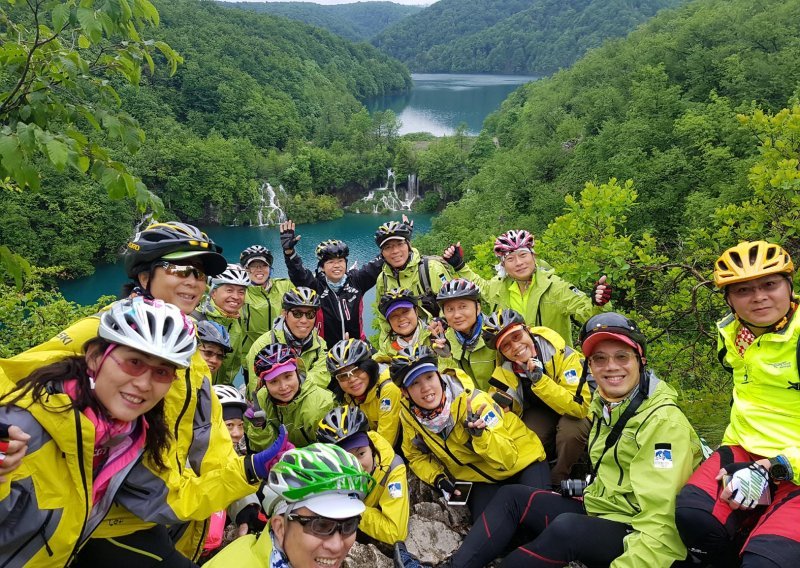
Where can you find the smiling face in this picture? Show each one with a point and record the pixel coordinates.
(426, 390)
(125, 396)
(284, 387)
(519, 264)
(183, 292)
(229, 298)
(461, 314)
(334, 269)
(306, 550)
(364, 457)
(615, 367)
(258, 271)
(301, 327)
(403, 321)
(396, 252)
(353, 381)
(518, 346)
(763, 302)
(213, 355)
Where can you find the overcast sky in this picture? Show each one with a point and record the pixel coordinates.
(328, 2)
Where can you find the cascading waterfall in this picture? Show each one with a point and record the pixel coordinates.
(388, 197)
(270, 211)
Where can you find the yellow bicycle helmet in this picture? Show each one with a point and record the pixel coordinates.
(750, 260)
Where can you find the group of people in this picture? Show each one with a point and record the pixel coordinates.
(124, 438)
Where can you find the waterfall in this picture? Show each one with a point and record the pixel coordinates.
(269, 212)
(388, 196)
(143, 223)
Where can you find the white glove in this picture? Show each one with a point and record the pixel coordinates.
(748, 484)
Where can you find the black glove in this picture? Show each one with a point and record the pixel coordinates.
(288, 240)
(457, 260)
(249, 516)
(444, 485)
(537, 372)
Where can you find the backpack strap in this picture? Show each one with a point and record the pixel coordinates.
(397, 461)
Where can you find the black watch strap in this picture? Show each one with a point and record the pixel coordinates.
(780, 469)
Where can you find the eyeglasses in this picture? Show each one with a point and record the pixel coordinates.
(211, 354)
(182, 271)
(323, 526)
(748, 289)
(308, 314)
(621, 358)
(137, 367)
(348, 375)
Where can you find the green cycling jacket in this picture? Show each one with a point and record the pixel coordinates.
(478, 362)
(261, 308)
(233, 361)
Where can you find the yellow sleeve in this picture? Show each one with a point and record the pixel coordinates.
(424, 465)
(388, 521)
(559, 382)
(495, 444)
(389, 411)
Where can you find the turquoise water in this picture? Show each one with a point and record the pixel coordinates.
(356, 230)
(439, 102)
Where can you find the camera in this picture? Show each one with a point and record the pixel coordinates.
(573, 487)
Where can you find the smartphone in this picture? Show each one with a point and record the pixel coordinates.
(464, 487)
(765, 498)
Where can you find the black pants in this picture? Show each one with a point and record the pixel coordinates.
(143, 549)
(560, 530)
(536, 475)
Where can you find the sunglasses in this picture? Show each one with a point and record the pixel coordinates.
(299, 314)
(182, 271)
(137, 367)
(601, 359)
(211, 354)
(323, 526)
(347, 375)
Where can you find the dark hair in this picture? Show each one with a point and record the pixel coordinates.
(371, 368)
(39, 385)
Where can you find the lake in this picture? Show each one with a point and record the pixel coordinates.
(439, 102)
(356, 230)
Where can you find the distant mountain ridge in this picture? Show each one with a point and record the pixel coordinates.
(510, 36)
(360, 21)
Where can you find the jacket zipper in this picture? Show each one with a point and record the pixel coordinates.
(39, 531)
(186, 402)
(87, 497)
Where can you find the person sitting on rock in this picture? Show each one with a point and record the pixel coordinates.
(537, 376)
(401, 310)
(458, 340)
(357, 375)
(452, 432)
(386, 516)
(295, 328)
(285, 398)
(533, 290)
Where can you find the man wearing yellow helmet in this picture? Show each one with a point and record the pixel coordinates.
(753, 479)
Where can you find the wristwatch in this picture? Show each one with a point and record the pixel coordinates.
(780, 469)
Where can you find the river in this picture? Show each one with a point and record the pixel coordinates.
(440, 102)
(356, 230)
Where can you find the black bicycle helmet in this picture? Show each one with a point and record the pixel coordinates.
(330, 249)
(497, 323)
(212, 332)
(340, 423)
(396, 295)
(408, 359)
(300, 297)
(606, 326)
(393, 230)
(172, 241)
(346, 353)
(255, 252)
(458, 288)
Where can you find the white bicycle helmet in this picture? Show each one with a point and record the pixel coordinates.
(230, 396)
(152, 327)
(233, 274)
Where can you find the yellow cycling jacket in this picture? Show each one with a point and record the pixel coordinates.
(46, 509)
(562, 372)
(381, 407)
(204, 474)
(765, 419)
(505, 448)
(386, 516)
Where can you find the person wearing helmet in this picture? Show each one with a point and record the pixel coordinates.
(295, 328)
(215, 344)
(223, 305)
(262, 304)
(167, 261)
(537, 376)
(318, 502)
(386, 515)
(341, 291)
(641, 449)
(286, 398)
(406, 268)
(452, 432)
(530, 287)
(759, 458)
(407, 326)
(458, 340)
(89, 419)
(358, 377)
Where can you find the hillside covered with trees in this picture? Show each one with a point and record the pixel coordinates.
(510, 36)
(358, 21)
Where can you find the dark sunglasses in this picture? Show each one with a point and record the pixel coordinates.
(323, 526)
(182, 271)
(308, 314)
